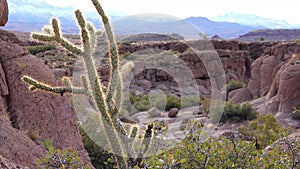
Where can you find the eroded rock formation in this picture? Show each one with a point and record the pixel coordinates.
(276, 81)
(3, 12)
(47, 115)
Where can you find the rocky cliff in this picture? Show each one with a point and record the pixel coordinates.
(276, 81)
(3, 12)
(270, 35)
(28, 118)
(270, 71)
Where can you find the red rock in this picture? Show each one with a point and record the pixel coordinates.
(3, 12)
(17, 147)
(173, 112)
(240, 95)
(49, 115)
(5, 163)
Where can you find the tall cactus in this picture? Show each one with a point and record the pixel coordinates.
(103, 98)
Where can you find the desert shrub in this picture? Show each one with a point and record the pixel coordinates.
(40, 48)
(139, 102)
(100, 158)
(237, 113)
(227, 152)
(296, 112)
(265, 129)
(234, 84)
(158, 100)
(57, 159)
(131, 56)
(172, 102)
(205, 104)
(190, 100)
(142, 103)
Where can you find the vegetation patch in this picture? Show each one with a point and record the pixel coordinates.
(237, 113)
(234, 84)
(296, 112)
(232, 152)
(40, 48)
(142, 102)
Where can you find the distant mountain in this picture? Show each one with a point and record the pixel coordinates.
(271, 35)
(32, 15)
(189, 28)
(157, 24)
(225, 30)
(253, 20)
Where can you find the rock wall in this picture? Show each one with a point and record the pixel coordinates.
(270, 71)
(235, 57)
(6, 164)
(47, 115)
(275, 81)
(3, 12)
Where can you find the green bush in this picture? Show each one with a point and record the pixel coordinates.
(100, 158)
(237, 113)
(172, 102)
(142, 103)
(205, 104)
(234, 84)
(265, 129)
(139, 102)
(190, 100)
(229, 152)
(58, 159)
(40, 48)
(296, 112)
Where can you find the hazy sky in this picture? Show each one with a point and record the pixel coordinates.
(275, 9)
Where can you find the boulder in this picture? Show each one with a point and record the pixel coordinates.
(154, 112)
(173, 112)
(240, 95)
(49, 115)
(3, 12)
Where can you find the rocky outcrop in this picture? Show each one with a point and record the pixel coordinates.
(48, 115)
(17, 147)
(6, 164)
(234, 55)
(3, 12)
(240, 95)
(275, 80)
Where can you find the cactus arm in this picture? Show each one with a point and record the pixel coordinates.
(113, 52)
(93, 35)
(60, 90)
(57, 37)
